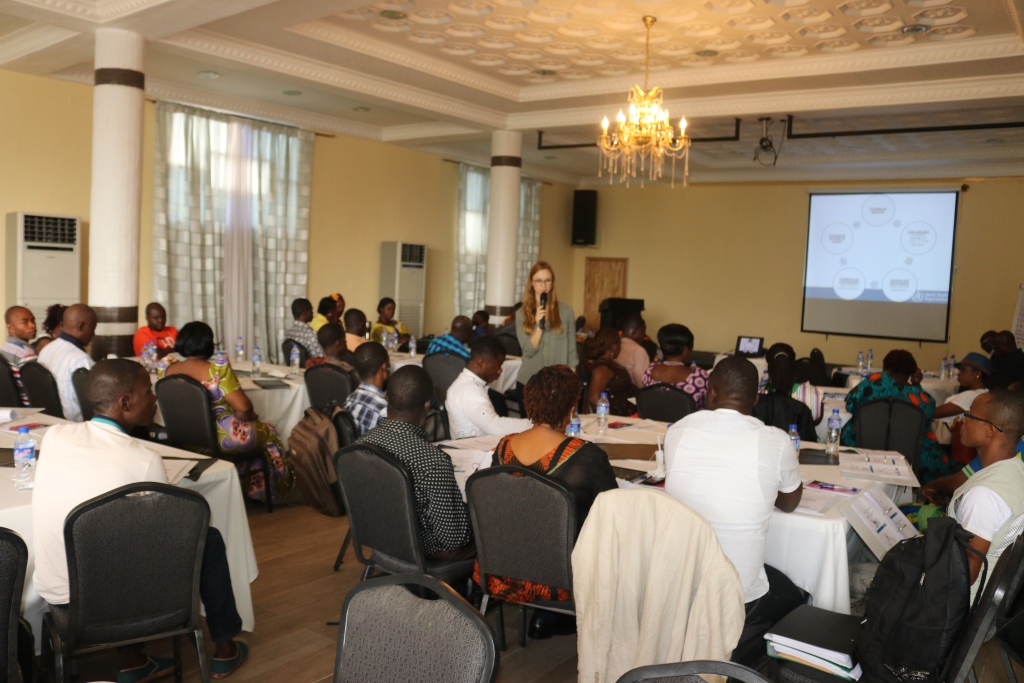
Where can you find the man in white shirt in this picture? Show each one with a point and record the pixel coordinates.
(82, 461)
(990, 504)
(632, 355)
(733, 470)
(470, 411)
(66, 353)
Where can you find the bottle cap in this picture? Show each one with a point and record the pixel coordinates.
(604, 394)
(792, 428)
(835, 411)
(23, 430)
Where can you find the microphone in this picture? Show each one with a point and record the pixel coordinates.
(543, 304)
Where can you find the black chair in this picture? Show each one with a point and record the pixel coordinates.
(806, 370)
(388, 633)
(151, 589)
(1010, 620)
(286, 349)
(381, 506)
(443, 368)
(532, 544)
(326, 383)
(79, 378)
(690, 672)
(779, 410)
(510, 343)
(890, 424)
(41, 389)
(664, 402)
(347, 435)
(188, 418)
(10, 394)
(13, 564)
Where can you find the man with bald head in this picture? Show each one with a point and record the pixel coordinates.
(66, 353)
(734, 470)
(156, 330)
(455, 342)
(17, 350)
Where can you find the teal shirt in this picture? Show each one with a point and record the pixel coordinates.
(556, 348)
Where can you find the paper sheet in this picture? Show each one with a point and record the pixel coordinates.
(640, 465)
(901, 474)
(8, 414)
(466, 462)
(177, 469)
(816, 501)
(473, 443)
(878, 520)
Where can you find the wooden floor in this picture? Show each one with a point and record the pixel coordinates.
(297, 593)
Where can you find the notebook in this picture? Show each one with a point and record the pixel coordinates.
(815, 631)
(270, 384)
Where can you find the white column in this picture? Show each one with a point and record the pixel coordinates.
(118, 101)
(503, 226)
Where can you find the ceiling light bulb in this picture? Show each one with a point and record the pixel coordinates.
(604, 124)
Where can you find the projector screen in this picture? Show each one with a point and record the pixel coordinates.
(880, 265)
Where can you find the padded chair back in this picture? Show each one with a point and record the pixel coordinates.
(806, 370)
(10, 396)
(41, 389)
(889, 424)
(388, 633)
(690, 672)
(185, 406)
(152, 587)
(326, 383)
(443, 368)
(346, 428)
(286, 349)
(510, 343)
(664, 402)
(1001, 590)
(377, 490)
(524, 524)
(13, 563)
(79, 379)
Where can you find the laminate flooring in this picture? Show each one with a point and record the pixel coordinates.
(298, 592)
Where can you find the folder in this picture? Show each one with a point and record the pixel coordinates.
(827, 635)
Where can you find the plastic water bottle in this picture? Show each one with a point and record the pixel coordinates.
(257, 358)
(161, 368)
(239, 350)
(794, 438)
(603, 408)
(835, 425)
(293, 360)
(574, 427)
(764, 383)
(412, 346)
(860, 362)
(952, 365)
(944, 368)
(221, 358)
(871, 358)
(24, 460)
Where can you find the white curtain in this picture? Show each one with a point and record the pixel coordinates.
(471, 237)
(231, 223)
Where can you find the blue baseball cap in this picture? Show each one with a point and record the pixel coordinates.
(976, 360)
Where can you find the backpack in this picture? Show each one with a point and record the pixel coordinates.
(312, 445)
(917, 605)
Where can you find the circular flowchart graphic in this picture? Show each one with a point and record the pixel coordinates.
(878, 209)
(848, 283)
(837, 238)
(918, 238)
(899, 285)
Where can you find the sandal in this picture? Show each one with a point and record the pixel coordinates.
(154, 668)
(222, 668)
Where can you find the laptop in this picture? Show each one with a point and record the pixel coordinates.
(750, 347)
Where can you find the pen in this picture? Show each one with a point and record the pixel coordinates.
(832, 487)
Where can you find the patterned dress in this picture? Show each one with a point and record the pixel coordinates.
(242, 437)
(696, 384)
(932, 460)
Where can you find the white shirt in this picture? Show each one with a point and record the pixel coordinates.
(471, 413)
(729, 468)
(634, 358)
(963, 400)
(982, 512)
(62, 358)
(79, 462)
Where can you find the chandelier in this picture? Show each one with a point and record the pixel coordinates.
(643, 138)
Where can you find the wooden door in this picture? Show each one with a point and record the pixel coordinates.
(603, 278)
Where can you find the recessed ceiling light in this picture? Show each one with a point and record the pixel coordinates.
(913, 29)
(209, 75)
(706, 53)
(392, 14)
(361, 109)
(291, 93)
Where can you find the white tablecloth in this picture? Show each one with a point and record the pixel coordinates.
(940, 389)
(760, 363)
(220, 487)
(507, 380)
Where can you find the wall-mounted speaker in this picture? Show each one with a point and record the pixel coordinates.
(584, 217)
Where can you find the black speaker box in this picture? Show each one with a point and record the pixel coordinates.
(584, 217)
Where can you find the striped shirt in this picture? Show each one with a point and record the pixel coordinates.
(448, 344)
(62, 357)
(17, 353)
(366, 404)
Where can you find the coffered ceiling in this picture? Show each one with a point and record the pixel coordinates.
(441, 75)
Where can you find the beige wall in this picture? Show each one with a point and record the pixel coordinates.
(556, 238)
(727, 260)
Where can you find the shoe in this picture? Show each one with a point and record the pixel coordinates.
(222, 668)
(540, 627)
(154, 668)
(546, 624)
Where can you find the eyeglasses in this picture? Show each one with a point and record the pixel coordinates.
(969, 416)
(542, 282)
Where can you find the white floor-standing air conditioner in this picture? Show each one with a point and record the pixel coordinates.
(43, 262)
(403, 277)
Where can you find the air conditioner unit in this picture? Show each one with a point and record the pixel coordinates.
(403, 277)
(43, 262)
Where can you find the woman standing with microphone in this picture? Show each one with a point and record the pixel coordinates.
(544, 326)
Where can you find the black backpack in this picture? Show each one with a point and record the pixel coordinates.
(917, 605)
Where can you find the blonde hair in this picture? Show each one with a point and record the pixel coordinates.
(530, 301)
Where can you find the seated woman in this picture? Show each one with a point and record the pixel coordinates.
(606, 375)
(52, 326)
(549, 399)
(779, 407)
(238, 428)
(676, 342)
(386, 323)
(895, 381)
